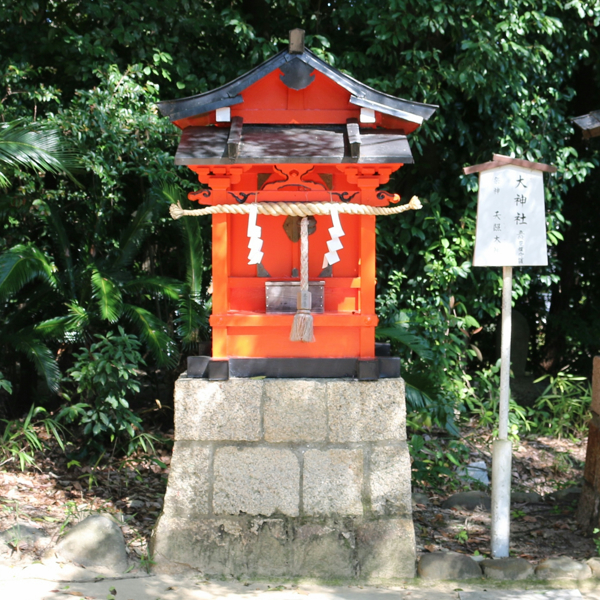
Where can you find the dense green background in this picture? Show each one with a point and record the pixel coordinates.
(507, 76)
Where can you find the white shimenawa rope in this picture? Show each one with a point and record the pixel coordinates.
(295, 209)
(302, 327)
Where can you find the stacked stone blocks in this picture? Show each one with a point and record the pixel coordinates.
(286, 477)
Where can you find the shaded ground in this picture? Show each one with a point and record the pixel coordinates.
(59, 494)
(538, 530)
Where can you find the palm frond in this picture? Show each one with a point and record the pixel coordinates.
(53, 328)
(153, 333)
(64, 247)
(20, 265)
(194, 253)
(34, 146)
(27, 341)
(135, 233)
(416, 343)
(192, 237)
(163, 286)
(79, 318)
(169, 193)
(191, 319)
(107, 296)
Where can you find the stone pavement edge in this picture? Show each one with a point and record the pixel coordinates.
(67, 581)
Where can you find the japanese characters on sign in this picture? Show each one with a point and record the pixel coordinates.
(511, 220)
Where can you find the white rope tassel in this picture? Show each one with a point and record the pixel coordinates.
(302, 328)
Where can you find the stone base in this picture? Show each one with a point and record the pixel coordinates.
(286, 478)
(326, 548)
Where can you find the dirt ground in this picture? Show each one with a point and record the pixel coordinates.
(538, 530)
(58, 494)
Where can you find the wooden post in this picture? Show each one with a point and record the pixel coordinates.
(367, 283)
(220, 262)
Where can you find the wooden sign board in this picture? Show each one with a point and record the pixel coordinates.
(511, 219)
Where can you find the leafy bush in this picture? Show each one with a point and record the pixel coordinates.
(106, 374)
(483, 399)
(435, 460)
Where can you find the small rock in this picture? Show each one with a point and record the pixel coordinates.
(562, 568)
(475, 471)
(448, 565)
(22, 533)
(96, 541)
(520, 497)
(418, 498)
(468, 501)
(23, 537)
(594, 565)
(507, 569)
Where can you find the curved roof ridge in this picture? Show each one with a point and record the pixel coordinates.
(229, 94)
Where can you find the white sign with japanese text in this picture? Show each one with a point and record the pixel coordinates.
(511, 218)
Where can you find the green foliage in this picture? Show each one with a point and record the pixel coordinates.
(597, 540)
(397, 329)
(88, 290)
(76, 261)
(563, 409)
(435, 460)
(424, 400)
(107, 373)
(5, 384)
(33, 146)
(20, 439)
(192, 309)
(483, 399)
(462, 536)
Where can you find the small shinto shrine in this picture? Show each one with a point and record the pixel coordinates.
(294, 138)
(290, 455)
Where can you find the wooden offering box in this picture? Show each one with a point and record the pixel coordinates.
(294, 132)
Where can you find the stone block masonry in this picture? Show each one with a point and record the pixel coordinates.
(288, 477)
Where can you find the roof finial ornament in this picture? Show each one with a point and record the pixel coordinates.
(296, 41)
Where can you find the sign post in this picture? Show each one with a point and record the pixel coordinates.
(511, 231)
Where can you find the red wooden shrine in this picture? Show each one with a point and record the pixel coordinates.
(293, 130)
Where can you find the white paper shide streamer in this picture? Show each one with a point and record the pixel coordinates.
(334, 244)
(255, 244)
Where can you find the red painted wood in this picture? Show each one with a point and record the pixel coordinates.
(241, 327)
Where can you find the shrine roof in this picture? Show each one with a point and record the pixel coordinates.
(259, 144)
(590, 124)
(499, 160)
(296, 76)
